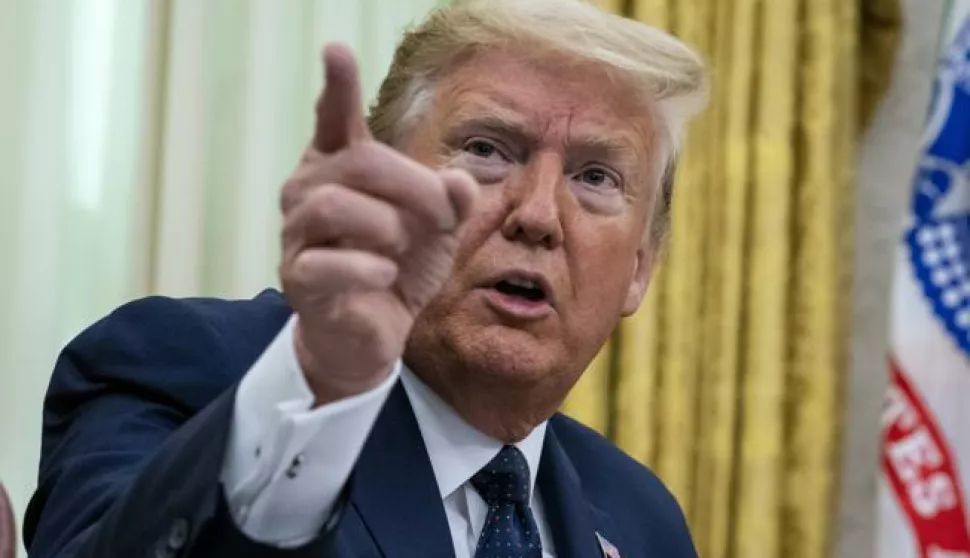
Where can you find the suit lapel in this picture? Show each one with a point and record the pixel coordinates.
(394, 489)
(606, 531)
(573, 520)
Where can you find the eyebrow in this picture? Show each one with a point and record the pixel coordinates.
(508, 124)
(503, 125)
(602, 146)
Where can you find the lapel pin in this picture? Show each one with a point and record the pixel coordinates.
(609, 551)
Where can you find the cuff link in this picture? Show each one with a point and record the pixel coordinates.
(294, 469)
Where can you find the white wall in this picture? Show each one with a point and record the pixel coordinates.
(886, 161)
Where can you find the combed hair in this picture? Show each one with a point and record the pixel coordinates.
(670, 75)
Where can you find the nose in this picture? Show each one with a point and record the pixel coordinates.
(533, 201)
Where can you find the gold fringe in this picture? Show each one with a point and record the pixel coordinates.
(637, 376)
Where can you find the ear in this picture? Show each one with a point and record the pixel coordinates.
(642, 272)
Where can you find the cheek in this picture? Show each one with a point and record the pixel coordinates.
(597, 202)
(485, 220)
(601, 266)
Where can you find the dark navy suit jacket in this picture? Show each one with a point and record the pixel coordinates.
(135, 427)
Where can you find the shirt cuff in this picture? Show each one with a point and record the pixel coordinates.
(286, 462)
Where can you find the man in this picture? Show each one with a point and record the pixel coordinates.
(449, 269)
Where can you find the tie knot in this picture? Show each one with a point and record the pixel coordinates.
(505, 479)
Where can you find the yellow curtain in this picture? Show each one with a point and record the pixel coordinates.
(727, 382)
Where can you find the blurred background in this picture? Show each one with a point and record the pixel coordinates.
(143, 142)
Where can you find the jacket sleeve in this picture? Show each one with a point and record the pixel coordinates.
(136, 421)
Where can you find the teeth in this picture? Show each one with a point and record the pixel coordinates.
(523, 283)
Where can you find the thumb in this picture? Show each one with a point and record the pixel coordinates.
(340, 118)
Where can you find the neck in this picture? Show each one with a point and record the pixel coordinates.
(505, 412)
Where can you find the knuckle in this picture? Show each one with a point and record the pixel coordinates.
(325, 198)
(319, 209)
(292, 288)
(293, 283)
(313, 169)
(290, 194)
(296, 272)
(392, 234)
(367, 151)
(283, 272)
(311, 157)
(327, 204)
(292, 227)
(354, 168)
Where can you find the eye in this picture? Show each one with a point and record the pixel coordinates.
(481, 148)
(598, 177)
(486, 159)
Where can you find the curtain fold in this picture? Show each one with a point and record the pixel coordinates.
(828, 126)
(880, 23)
(723, 316)
(728, 380)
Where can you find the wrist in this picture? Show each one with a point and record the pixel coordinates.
(330, 382)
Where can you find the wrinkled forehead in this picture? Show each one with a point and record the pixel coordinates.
(551, 98)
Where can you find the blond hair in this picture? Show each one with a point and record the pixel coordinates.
(669, 74)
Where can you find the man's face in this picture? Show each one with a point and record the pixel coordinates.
(554, 254)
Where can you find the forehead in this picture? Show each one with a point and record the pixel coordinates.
(549, 95)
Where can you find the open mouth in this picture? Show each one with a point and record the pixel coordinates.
(521, 287)
(520, 295)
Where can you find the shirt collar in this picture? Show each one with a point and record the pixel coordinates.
(457, 450)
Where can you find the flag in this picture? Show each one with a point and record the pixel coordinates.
(925, 455)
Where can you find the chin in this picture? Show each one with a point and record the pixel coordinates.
(506, 354)
(462, 342)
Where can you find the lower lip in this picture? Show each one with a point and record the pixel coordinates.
(516, 306)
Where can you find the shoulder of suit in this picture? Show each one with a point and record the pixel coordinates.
(179, 318)
(190, 349)
(588, 450)
(612, 479)
(266, 310)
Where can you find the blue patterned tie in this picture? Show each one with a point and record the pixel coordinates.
(510, 530)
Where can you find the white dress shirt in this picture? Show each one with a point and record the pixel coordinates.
(286, 462)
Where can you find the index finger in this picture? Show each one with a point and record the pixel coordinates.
(340, 117)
